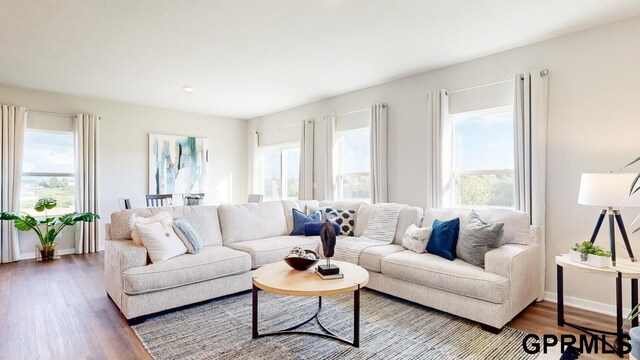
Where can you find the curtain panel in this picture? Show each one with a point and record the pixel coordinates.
(252, 163)
(12, 131)
(531, 98)
(87, 181)
(305, 183)
(330, 163)
(379, 180)
(438, 119)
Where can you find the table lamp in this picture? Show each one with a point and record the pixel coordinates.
(611, 192)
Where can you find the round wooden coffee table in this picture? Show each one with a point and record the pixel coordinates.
(281, 279)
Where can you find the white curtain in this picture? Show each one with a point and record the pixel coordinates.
(378, 123)
(330, 163)
(87, 180)
(531, 97)
(252, 163)
(305, 183)
(438, 117)
(14, 125)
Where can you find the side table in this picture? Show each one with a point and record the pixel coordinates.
(624, 269)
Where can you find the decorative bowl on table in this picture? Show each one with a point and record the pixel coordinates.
(301, 259)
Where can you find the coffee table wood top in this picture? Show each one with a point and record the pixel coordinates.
(280, 278)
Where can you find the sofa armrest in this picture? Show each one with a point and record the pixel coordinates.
(120, 255)
(520, 264)
(107, 231)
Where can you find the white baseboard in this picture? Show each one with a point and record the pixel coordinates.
(583, 304)
(32, 255)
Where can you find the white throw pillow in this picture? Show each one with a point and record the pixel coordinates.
(161, 244)
(162, 217)
(416, 239)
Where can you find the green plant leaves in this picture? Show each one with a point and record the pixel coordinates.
(585, 248)
(47, 203)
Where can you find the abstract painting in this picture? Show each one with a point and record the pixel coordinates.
(178, 164)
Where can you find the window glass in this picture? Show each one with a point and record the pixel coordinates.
(272, 174)
(482, 166)
(354, 165)
(292, 157)
(280, 172)
(48, 170)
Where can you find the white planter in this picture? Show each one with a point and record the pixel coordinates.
(592, 260)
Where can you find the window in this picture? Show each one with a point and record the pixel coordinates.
(353, 165)
(280, 169)
(482, 161)
(48, 170)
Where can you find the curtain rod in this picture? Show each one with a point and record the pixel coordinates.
(480, 86)
(51, 113)
(361, 110)
(281, 127)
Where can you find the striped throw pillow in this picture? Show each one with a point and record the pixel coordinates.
(188, 235)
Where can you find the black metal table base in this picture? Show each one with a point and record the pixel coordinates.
(292, 330)
(619, 333)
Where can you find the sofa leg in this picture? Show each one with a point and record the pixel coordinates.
(490, 329)
(136, 321)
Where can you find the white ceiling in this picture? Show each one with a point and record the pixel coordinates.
(247, 58)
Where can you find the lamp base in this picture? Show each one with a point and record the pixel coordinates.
(328, 269)
(614, 218)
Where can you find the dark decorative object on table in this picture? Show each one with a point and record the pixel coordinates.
(328, 238)
(301, 259)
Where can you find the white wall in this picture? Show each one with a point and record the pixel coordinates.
(593, 127)
(124, 130)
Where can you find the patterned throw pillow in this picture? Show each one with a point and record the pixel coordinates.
(416, 239)
(188, 235)
(346, 219)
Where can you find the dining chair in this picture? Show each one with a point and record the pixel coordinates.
(155, 200)
(255, 198)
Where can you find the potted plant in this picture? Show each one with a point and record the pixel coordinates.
(192, 199)
(48, 228)
(633, 189)
(590, 254)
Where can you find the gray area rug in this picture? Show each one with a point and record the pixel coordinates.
(390, 329)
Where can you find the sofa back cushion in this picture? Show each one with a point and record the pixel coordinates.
(203, 218)
(341, 205)
(243, 222)
(302, 205)
(408, 215)
(516, 223)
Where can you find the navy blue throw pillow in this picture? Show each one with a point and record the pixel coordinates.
(444, 238)
(300, 218)
(313, 228)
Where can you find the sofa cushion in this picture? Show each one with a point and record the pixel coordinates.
(211, 263)
(416, 238)
(288, 206)
(477, 237)
(242, 222)
(274, 249)
(444, 238)
(300, 219)
(189, 236)
(408, 215)
(346, 219)
(516, 223)
(203, 218)
(454, 276)
(371, 257)
(161, 243)
(313, 228)
(340, 205)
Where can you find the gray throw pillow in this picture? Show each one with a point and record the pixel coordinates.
(477, 237)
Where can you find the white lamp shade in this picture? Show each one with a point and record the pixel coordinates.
(608, 190)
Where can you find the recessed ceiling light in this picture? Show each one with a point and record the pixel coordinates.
(187, 88)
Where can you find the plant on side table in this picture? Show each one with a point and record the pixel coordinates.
(590, 254)
(48, 228)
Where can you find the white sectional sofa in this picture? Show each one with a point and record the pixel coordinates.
(239, 238)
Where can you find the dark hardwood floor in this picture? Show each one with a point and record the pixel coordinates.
(59, 310)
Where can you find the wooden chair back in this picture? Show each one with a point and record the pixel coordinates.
(155, 200)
